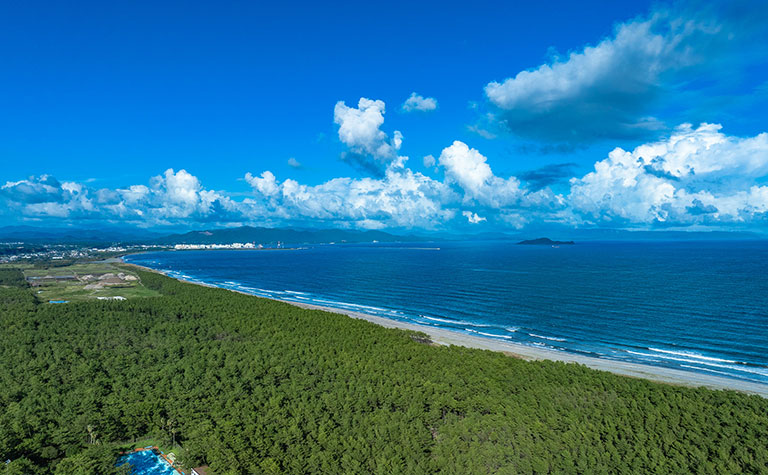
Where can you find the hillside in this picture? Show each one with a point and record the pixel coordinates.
(285, 235)
(544, 242)
(74, 235)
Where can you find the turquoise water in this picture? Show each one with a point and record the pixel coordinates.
(692, 306)
(147, 463)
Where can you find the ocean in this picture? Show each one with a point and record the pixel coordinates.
(693, 306)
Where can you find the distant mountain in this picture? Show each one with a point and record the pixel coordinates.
(285, 235)
(32, 234)
(117, 234)
(545, 242)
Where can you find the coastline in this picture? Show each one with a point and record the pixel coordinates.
(443, 336)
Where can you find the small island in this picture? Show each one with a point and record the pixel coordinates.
(545, 242)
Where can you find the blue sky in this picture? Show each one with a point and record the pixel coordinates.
(629, 115)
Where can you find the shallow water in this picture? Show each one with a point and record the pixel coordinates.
(695, 306)
(145, 462)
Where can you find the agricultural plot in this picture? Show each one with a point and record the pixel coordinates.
(85, 281)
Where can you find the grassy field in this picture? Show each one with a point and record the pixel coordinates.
(16, 265)
(74, 269)
(85, 281)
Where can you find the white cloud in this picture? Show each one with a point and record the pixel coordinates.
(465, 166)
(266, 184)
(472, 217)
(603, 91)
(133, 194)
(170, 197)
(404, 198)
(293, 163)
(698, 175)
(359, 130)
(33, 190)
(417, 102)
(45, 196)
(179, 190)
(705, 150)
(401, 198)
(468, 168)
(546, 86)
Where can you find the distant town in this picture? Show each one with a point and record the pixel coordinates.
(21, 251)
(234, 245)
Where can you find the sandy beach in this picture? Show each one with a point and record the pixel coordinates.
(654, 373)
(447, 337)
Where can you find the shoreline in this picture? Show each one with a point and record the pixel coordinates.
(443, 336)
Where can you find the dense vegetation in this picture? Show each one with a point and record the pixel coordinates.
(255, 386)
(12, 277)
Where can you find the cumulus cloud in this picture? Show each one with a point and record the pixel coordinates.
(696, 176)
(176, 196)
(417, 102)
(395, 197)
(469, 169)
(472, 217)
(370, 148)
(605, 91)
(466, 166)
(170, 197)
(402, 198)
(45, 196)
(293, 163)
(266, 184)
(43, 189)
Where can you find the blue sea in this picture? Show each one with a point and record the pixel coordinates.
(694, 306)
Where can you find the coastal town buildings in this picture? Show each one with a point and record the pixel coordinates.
(234, 245)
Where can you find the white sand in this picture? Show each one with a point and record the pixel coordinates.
(635, 370)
